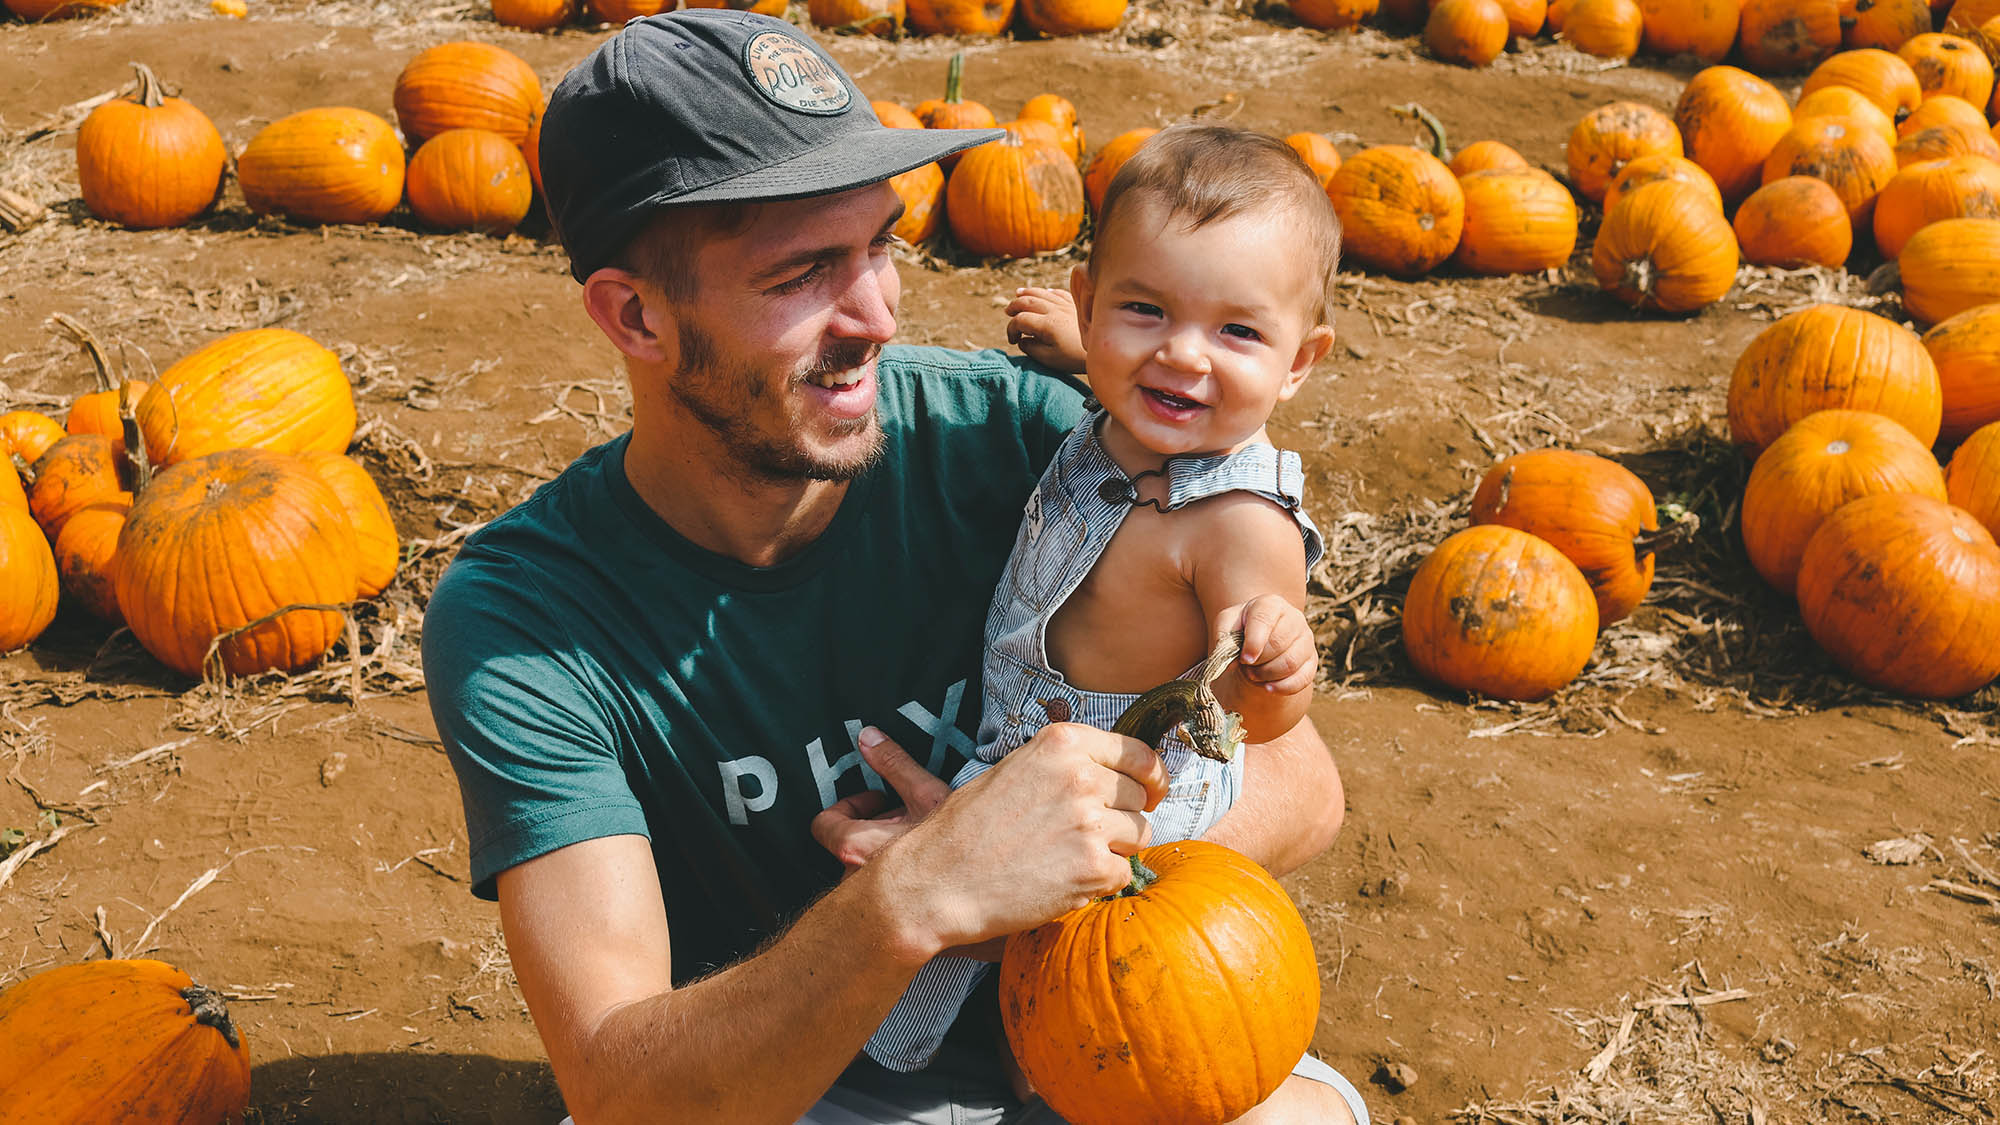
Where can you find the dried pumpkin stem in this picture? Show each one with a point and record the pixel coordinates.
(18, 212)
(1438, 148)
(1142, 877)
(954, 75)
(1672, 535)
(128, 422)
(210, 1011)
(151, 93)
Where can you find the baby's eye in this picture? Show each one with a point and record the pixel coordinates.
(1141, 308)
(1241, 332)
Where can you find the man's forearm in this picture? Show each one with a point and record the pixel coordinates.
(1292, 803)
(760, 1041)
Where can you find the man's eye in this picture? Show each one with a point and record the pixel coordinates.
(1241, 331)
(797, 283)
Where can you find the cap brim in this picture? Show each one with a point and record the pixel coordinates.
(850, 162)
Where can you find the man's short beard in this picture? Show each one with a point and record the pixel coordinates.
(722, 398)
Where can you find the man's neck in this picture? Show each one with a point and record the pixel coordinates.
(691, 482)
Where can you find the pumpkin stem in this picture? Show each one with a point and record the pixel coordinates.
(1639, 277)
(128, 422)
(1670, 535)
(21, 466)
(151, 93)
(211, 1011)
(954, 75)
(1142, 877)
(81, 336)
(1438, 147)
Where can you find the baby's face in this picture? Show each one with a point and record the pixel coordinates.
(1194, 336)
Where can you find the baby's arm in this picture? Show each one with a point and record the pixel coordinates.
(1249, 573)
(1042, 323)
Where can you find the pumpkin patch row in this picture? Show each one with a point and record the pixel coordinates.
(197, 508)
(887, 18)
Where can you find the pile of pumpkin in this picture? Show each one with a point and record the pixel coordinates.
(197, 510)
(1892, 558)
(887, 18)
(472, 109)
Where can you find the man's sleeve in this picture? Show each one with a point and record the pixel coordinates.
(1048, 404)
(528, 735)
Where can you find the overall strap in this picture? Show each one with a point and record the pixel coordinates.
(1278, 475)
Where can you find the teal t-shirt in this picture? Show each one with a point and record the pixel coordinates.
(594, 673)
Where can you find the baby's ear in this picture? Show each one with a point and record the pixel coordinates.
(1079, 291)
(1312, 349)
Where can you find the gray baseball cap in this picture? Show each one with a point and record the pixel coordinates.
(710, 105)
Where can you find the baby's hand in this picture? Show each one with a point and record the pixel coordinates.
(1278, 649)
(1042, 323)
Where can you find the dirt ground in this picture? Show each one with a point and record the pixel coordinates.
(1660, 898)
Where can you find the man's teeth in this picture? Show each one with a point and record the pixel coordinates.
(836, 379)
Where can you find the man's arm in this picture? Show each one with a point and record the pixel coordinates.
(1291, 805)
(763, 1039)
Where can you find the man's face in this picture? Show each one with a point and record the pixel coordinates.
(778, 345)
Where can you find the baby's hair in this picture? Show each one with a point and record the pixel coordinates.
(1205, 173)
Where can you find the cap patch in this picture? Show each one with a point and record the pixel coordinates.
(788, 73)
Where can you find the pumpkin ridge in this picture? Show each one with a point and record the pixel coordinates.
(1195, 925)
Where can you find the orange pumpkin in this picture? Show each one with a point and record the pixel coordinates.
(1794, 222)
(1609, 29)
(531, 152)
(1591, 509)
(1516, 221)
(97, 412)
(267, 388)
(1318, 153)
(1705, 29)
(35, 11)
(1072, 17)
(1466, 32)
(761, 7)
(875, 17)
(1333, 15)
(1824, 460)
(1525, 17)
(467, 85)
(1942, 110)
(376, 551)
(922, 191)
(1481, 156)
(12, 493)
(470, 179)
(619, 11)
(1972, 480)
(1665, 247)
(1401, 210)
(1557, 12)
(1731, 120)
(1879, 74)
(534, 15)
(1202, 931)
(1848, 155)
(1010, 199)
(1842, 101)
(1830, 357)
(1097, 175)
(1966, 350)
(1501, 612)
(1035, 131)
(1942, 142)
(121, 1040)
(84, 553)
(1967, 15)
(1886, 24)
(295, 547)
(1781, 36)
(147, 160)
(1061, 113)
(29, 590)
(954, 111)
(1964, 187)
(327, 165)
(895, 116)
(1653, 169)
(1949, 266)
(1948, 64)
(25, 435)
(1903, 591)
(959, 17)
(76, 472)
(1610, 136)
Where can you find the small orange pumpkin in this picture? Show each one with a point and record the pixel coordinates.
(922, 191)
(1964, 187)
(1072, 17)
(534, 15)
(1705, 29)
(1903, 591)
(618, 12)
(1013, 199)
(76, 472)
(761, 7)
(895, 116)
(1466, 32)
(1608, 29)
(1525, 17)
(376, 551)
(1830, 357)
(1949, 64)
(84, 555)
(1822, 461)
(1653, 169)
(148, 160)
(12, 493)
(1794, 222)
(1942, 110)
(1401, 210)
(875, 17)
(27, 605)
(329, 165)
(1611, 135)
(97, 412)
(263, 388)
(1880, 74)
(1781, 36)
(1972, 480)
(1481, 156)
(1333, 15)
(1886, 24)
(470, 179)
(1591, 509)
(1553, 18)
(1518, 220)
(1966, 349)
(1942, 142)
(1318, 153)
(1061, 113)
(1967, 15)
(954, 111)
(25, 435)
(467, 85)
(1847, 154)
(1731, 120)
(1103, 166)
(1501, 612)
(1843, 101)
(1665, 247)
(1949, 266)
(959, 17)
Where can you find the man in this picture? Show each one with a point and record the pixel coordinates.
(665, 678)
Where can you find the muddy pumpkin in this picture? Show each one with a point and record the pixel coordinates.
(1609, 137)
(1794, 222)
(1830, 357)
(1783, 36)
(1401, 210)
(1665, 247)
(1593, 510)
(1014, 199)
(1730, 120)
(1500, 612)
(1965, 187)
(1849, 155)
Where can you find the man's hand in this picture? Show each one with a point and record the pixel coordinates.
(855, 828)
(1279, 653)
(1042, 323)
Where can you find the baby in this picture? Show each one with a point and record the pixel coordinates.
(1166, 521)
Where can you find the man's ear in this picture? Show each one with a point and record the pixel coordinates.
(631, 312)
(1312, 349)
(1080, 292)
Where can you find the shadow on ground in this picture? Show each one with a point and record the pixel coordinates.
(404, 1089)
